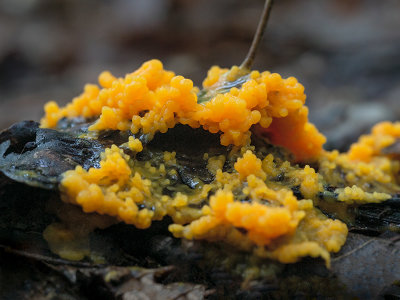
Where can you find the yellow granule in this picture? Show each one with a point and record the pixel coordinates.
(215, 163)
(272, 169)
(213, 76)
(355, 194)
(154, 100)
(135, 144)
(169, 157)
(383, 135)
(249, 165)
(309, 180)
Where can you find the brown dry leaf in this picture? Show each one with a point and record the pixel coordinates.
(367, 265)
(132, 283)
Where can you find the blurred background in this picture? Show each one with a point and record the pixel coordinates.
(345, 52)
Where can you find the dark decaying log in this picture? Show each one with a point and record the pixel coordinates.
(151, 263)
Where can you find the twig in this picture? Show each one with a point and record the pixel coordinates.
(394, 240)
(47, 259)
(248, 61)
(354, 250)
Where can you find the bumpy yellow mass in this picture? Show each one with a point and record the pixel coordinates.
(383, 135)
(250, 205)
(154, 100)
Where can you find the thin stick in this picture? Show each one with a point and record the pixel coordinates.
(248, 61)
(47, 259)
(354, 250)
